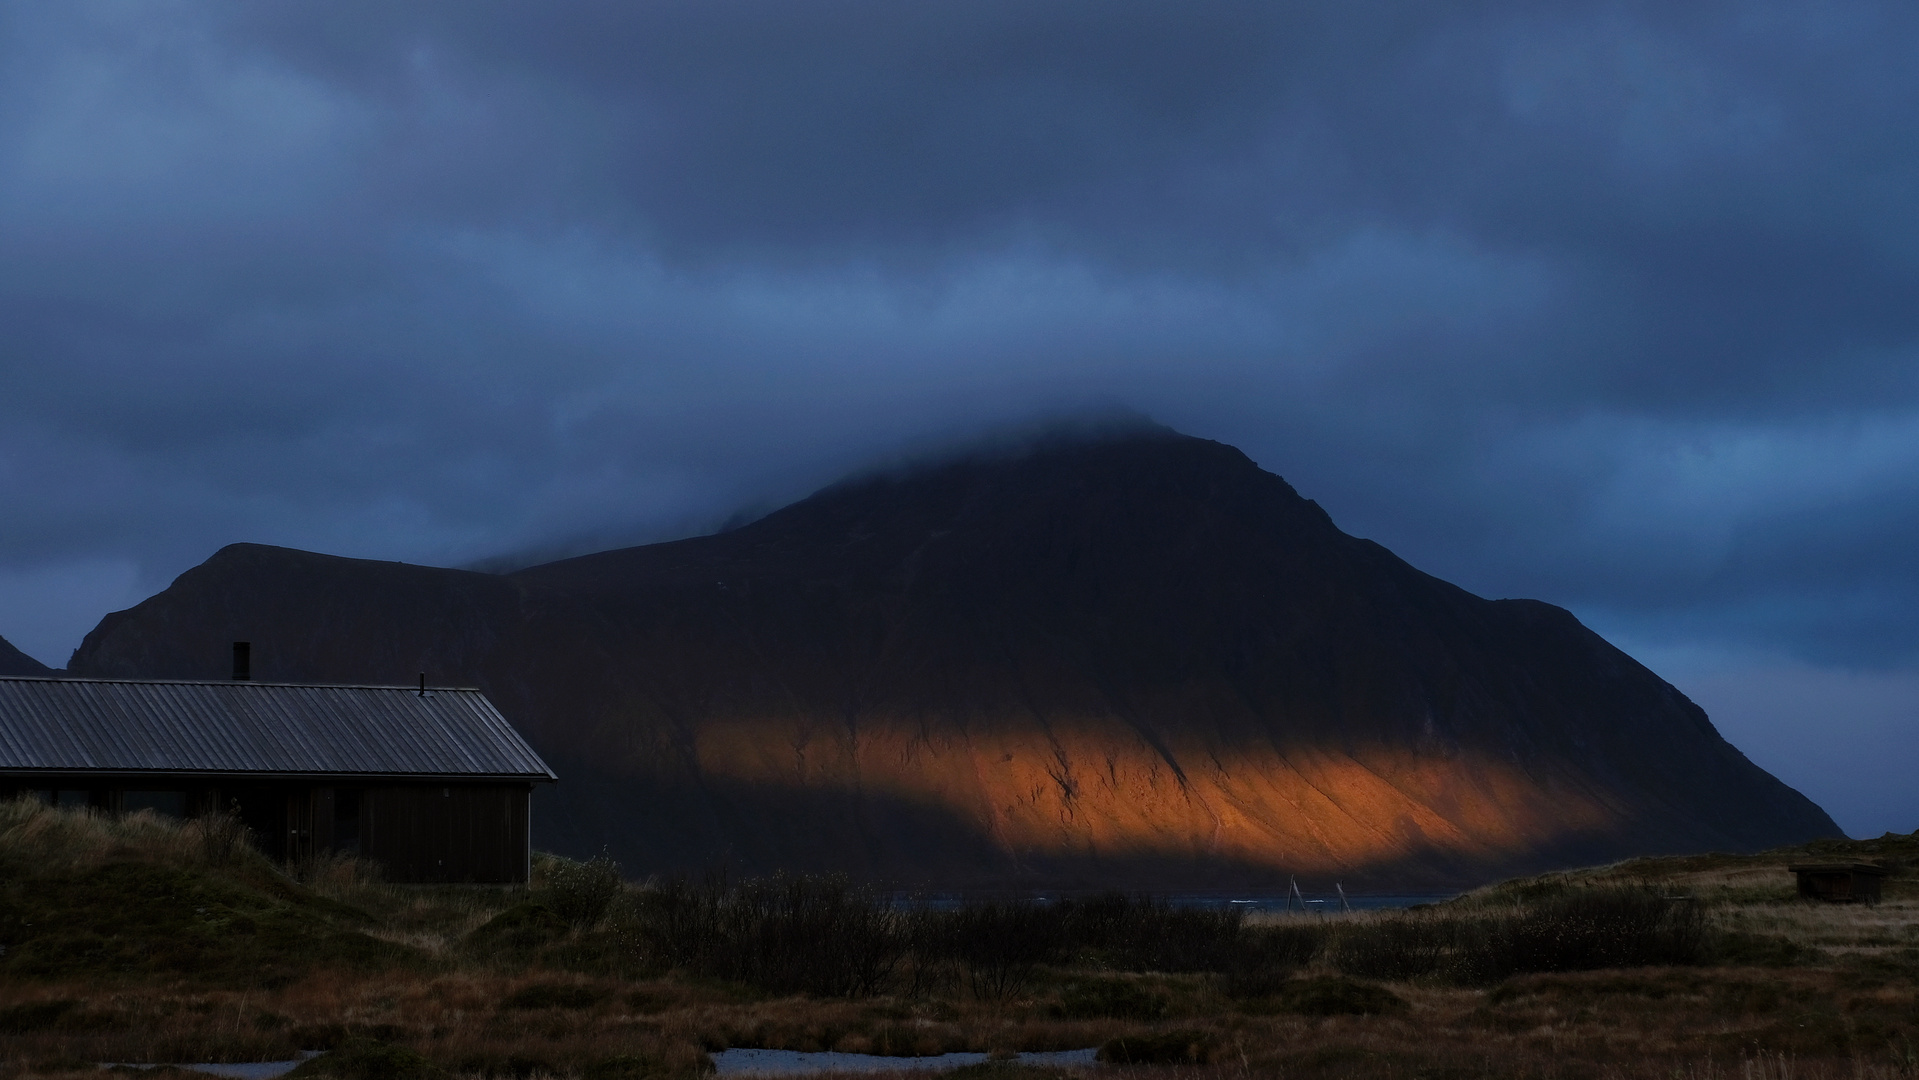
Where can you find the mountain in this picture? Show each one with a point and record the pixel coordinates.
(1133, 660)
(15, 662)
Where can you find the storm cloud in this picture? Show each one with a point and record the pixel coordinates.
(1610, 304)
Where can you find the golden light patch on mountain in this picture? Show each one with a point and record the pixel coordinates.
(1084, 789)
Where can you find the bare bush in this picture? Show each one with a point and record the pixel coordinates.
(222, 835)
(1573, 929)
(1267, 956)
(1402, 947)
(1000, 944)
(1588, 929)
(581, 892)
(785, 934)
(1145, 933)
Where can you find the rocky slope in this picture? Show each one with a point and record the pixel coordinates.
(1132, 660)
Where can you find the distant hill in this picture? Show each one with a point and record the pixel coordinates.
(15, 662)
(1131, 660)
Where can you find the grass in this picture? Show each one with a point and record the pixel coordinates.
(136, 898)
(139, 940)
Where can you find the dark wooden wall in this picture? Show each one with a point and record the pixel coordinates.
(447, 833)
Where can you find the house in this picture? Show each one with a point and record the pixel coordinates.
(431, 783)
(1840, 883)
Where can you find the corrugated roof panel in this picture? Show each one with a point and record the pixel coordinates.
(249, 727)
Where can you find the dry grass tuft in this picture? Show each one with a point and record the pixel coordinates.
(53, 840)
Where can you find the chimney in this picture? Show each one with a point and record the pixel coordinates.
(242, 661)
(422, 684)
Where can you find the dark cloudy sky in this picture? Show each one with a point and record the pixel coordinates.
(1611, 304)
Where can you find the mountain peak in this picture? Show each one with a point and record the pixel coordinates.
(1134, 660)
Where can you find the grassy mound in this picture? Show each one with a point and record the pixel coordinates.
(90, 896)
(365, 1059)
(520, 930)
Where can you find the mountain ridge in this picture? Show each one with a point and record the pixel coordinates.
(1134, 659)
(15, 662)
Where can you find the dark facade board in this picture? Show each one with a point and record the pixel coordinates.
(427, 832)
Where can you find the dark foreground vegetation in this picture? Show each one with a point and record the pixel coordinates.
(826, 938)
(139, 940)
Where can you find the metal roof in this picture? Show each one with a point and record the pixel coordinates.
(148, 726)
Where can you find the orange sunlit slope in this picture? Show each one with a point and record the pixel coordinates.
(1086, 789)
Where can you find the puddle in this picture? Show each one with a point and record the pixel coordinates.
(233, 1070)
(798, 1062)
(727, 1062)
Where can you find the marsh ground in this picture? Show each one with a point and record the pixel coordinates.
(138, 941)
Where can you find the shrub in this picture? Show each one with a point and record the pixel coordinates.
(1119, 999)
(785, 934)
(1266, 957)
(1399, 947)
(1141, 933)
(581, 892)
(995, 946)
(999, 944)
(1557, 929)
(1585, 930)
(222, 835)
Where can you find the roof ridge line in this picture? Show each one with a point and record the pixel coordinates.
(409, 687)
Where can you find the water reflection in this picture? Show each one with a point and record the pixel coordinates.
(1264, 903)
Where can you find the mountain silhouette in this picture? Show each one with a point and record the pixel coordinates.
(15, 662)
(1130, 658)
